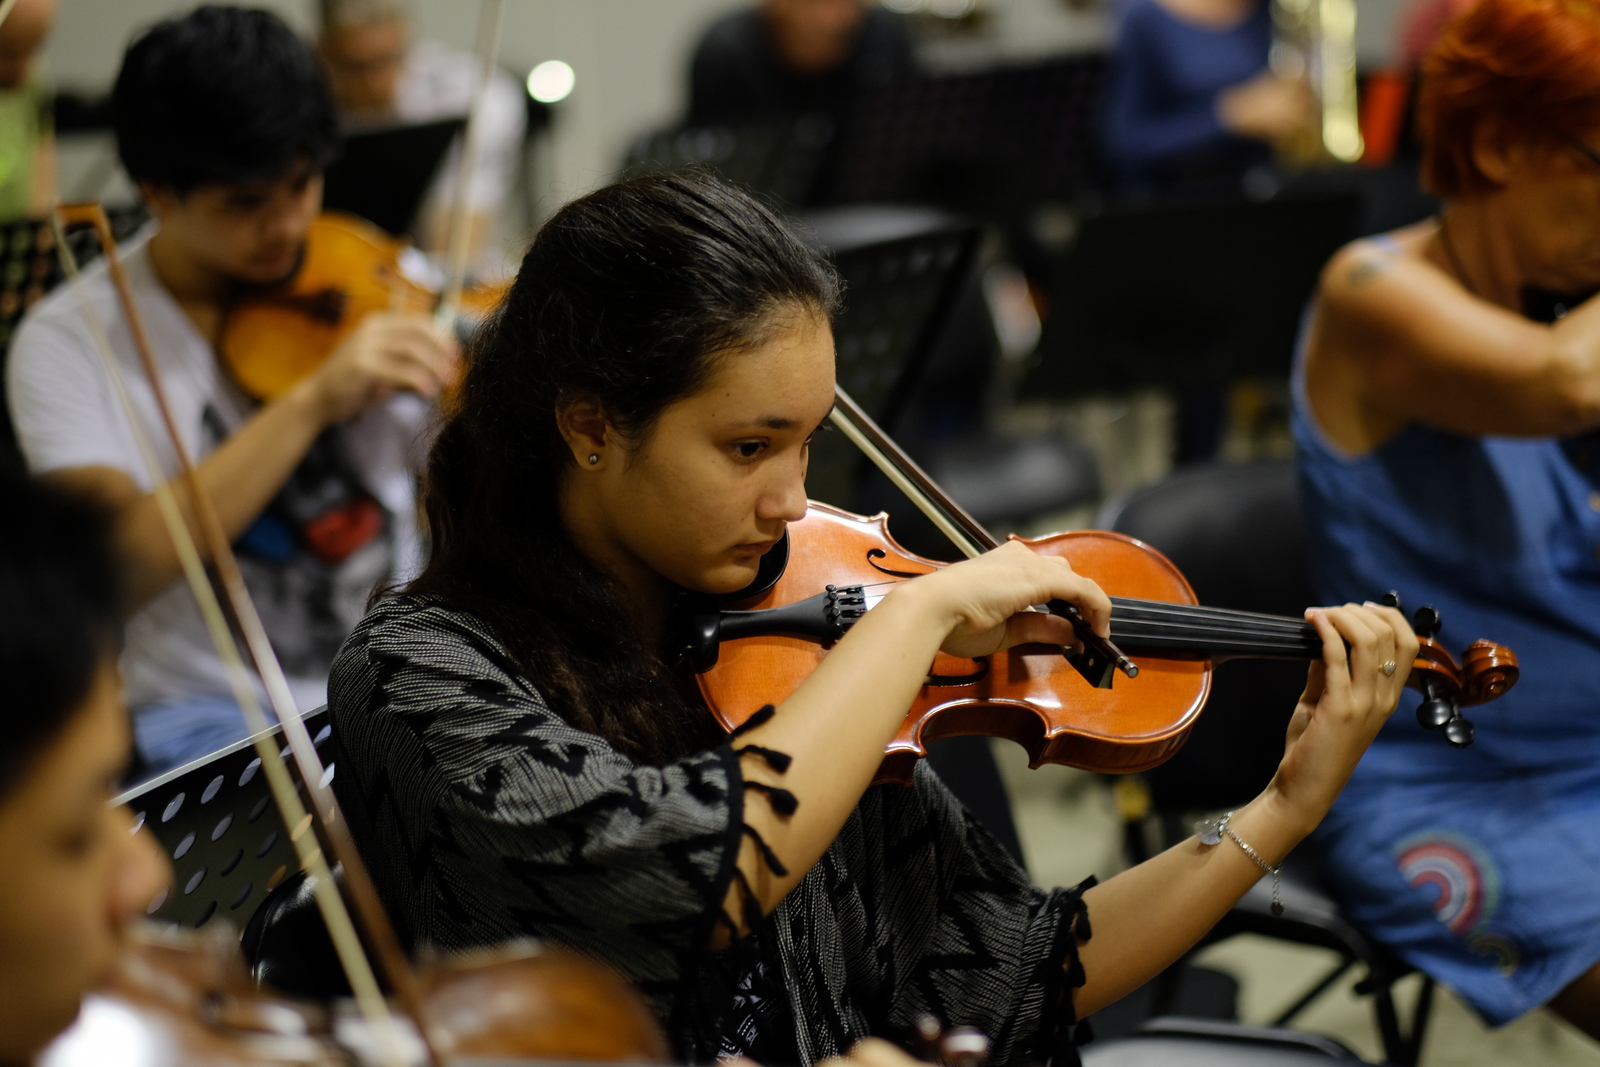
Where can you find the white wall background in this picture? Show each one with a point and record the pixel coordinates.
(630, 55)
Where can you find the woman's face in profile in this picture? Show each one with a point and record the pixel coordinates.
(723, 472)
(1551, 194)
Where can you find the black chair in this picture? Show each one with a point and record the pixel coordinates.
(1236, 534)
(1175, 1042)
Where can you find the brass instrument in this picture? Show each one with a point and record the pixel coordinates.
(1315, 40)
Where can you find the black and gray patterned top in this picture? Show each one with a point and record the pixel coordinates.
(484, 816)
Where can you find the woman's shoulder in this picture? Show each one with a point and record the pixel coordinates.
(419, 640)
(418, 625)
(1370, 263)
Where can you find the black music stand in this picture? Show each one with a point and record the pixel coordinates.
(778, 162)
(1189, 296)
(383, 174)
(1015, 133)
(215, 818)
(897, 297)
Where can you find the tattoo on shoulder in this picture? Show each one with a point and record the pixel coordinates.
(1372, 263)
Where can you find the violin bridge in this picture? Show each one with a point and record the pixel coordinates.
(1098, 670)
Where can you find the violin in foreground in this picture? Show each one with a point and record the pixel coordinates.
(833, 566)
(185, 998)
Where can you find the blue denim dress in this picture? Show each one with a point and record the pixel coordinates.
(1480, 866)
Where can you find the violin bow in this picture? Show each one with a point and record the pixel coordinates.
(325, 813)
(458, 232)
(965, 532)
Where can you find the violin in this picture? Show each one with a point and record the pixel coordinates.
(185, 998)
(276, 335)
(1062, 708)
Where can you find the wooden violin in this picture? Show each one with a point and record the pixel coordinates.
(834, 566)
(277, 335)
(185, 998)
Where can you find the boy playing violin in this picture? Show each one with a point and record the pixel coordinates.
(224, 123)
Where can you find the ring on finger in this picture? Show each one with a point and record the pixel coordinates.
(1388, 668)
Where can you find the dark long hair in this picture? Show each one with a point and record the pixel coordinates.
(60, 614)
(628, 297)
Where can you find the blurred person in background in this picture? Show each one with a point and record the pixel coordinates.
(224, 122)
(27, 131)
(381, 74)
(1191, 105)
(786, 58)
(1448, 430)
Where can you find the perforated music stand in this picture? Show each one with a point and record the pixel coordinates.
(1186, 295)
(216, 820)
(1029, 129)
(30, 268)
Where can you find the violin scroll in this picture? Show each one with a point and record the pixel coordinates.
(1487, 672)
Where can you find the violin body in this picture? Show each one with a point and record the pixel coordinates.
(185, 998)
(276, 336)
(1031, 694)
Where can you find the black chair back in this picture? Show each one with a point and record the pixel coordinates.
(1235, 532)
(216, 820)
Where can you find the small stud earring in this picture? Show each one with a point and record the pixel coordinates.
(594, 457)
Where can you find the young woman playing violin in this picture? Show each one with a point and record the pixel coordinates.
(520, 757)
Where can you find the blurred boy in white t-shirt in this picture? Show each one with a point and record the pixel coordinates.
(224, 122)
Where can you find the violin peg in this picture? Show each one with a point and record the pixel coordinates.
(1459, 731)
(1436, 713)
(1426, 621)
(1391, 599)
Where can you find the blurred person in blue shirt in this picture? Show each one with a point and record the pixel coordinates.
(1191, 105)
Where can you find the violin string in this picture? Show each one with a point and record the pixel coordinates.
(341, 930)
(1129, 604)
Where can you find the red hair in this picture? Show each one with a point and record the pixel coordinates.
(1531, 65)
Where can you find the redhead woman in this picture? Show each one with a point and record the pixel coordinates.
(521, 755)
(1445, 422)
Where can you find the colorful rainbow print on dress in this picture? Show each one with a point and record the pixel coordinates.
(1467, 888)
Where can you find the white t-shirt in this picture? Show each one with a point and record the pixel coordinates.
(67, 415)
(437, 83)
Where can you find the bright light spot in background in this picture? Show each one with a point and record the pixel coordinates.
(945, 9)
(550, 81)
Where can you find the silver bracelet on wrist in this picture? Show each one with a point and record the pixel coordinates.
(1211, 831)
